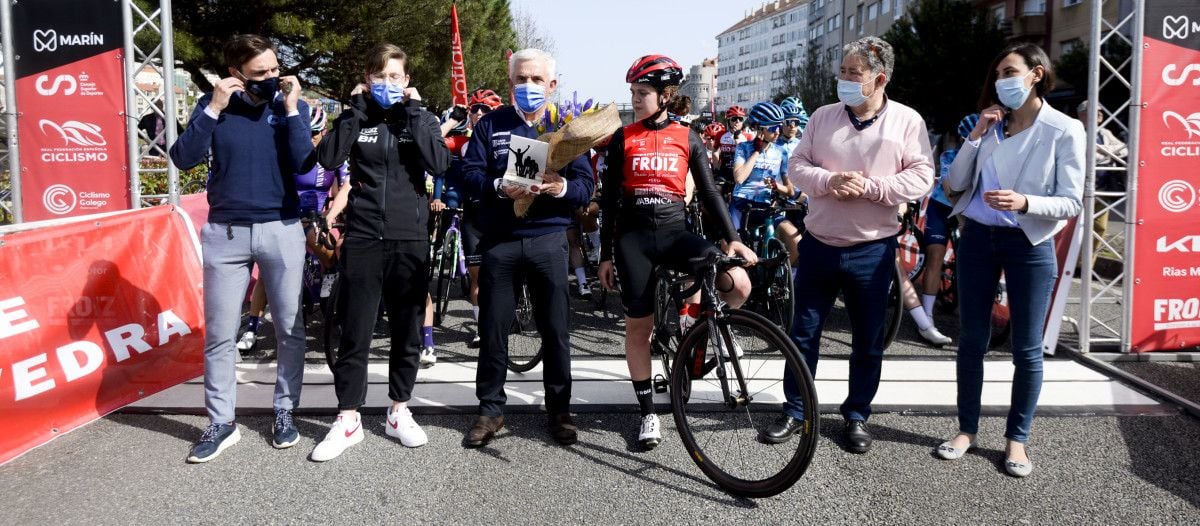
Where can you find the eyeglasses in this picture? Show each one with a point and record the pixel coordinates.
(792, 122)
(394, 78)
(482, 108)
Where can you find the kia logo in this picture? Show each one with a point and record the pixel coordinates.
(47, 40)
(1176, 196)
(75, 132)
(54, 88)
(1177, 27)
(59, 199)
(1191, 123)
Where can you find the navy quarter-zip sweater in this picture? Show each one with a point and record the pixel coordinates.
(255, 151)
(487, 159)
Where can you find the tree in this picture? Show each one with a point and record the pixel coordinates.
(325, 41)
(792, 76)
(816, 83)
(943, 49)
(1072, 71)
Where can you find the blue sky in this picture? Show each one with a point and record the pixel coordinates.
(596, 42)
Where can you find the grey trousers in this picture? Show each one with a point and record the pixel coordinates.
(229, 252)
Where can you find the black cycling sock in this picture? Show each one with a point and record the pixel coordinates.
(252, 324)
(644, 389)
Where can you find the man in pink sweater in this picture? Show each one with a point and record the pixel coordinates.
(858, 161)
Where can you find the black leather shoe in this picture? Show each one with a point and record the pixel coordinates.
(563, 429)
(782, 429)
(483, 431)
(856, 437)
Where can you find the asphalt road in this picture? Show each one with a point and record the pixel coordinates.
(127, 468)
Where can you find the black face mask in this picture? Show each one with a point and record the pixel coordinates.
(263, 89)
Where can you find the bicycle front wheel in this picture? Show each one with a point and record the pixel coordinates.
(524, 342)
(779, 301)
(722, 429)
(446, 275)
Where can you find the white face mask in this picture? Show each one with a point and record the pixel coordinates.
(1012, 91)
(850, 93)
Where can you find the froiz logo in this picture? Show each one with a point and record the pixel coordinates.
(42, 80)
(45, 40)
(1191, 123)
(75, 132)
(1177, 27)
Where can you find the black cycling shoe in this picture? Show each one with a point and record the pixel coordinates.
(782, 429)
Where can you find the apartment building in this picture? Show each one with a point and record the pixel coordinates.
(752, 54)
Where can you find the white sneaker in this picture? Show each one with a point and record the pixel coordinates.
(247, 342)
(400, 425)
(428, 357)
(342, 435)
(649, 436)
(934, 337)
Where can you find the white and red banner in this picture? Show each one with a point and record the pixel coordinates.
(71, 94)
(1166, 291)
(458, 70)
(94, 314)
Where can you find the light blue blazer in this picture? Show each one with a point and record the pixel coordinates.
(1045, 163)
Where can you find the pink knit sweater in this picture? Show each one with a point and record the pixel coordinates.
(893, 154)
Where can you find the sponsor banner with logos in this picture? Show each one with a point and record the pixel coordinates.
(71, 92)
(95, 314)
(1166, 292)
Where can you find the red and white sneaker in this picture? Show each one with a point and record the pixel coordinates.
(400, 425)
(345, 433)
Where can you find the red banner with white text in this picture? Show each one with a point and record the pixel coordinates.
(70, 90)
(94, 315)
(1166, 292)
(458, 70)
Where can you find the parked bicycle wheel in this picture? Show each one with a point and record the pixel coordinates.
(665, 339)
(895, 309)
(722, 410)
(446, 272)
(776, 277)
(524, 342)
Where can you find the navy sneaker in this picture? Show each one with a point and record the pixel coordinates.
(284, 431)
(215, 439)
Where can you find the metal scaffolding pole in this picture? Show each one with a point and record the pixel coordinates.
(10, 111)
(149, 159)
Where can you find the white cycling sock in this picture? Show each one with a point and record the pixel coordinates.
(922, 319)
(927, 301)
(580, 278)
(475, 313)
(595, 237)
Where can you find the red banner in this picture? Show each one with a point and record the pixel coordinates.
(1166, 271)
(458, 70)
(71, 94)
(94, 315)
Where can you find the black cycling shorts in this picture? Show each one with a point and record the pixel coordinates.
(639, 251)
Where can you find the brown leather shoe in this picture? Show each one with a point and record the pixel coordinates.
(483, 431)
(563, 429)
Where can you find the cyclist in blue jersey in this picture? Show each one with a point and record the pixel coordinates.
(794, 117)
(314, 188)
(759, 163)
(937, 218)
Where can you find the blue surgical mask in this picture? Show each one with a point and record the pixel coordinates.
(1013, 91)
(530, 97)
(850, 93)
(386, 93)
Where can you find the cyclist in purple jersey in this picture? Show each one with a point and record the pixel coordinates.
(314, 188)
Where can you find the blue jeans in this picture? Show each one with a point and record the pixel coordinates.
(864, 274)
(1029, 271)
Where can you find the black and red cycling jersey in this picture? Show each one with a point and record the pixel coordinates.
(645, 181)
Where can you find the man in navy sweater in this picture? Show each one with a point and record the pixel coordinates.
(534, 245)
(257, 130)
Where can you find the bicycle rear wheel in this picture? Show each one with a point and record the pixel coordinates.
(894, 313)
(778, 304)
(524, 342)
(445, 275)
(666, 330)
(723, 435)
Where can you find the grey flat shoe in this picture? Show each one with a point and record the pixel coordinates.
(1018, 469)
(948, 452)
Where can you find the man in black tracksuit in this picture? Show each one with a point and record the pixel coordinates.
(386, 249)
(534, 246)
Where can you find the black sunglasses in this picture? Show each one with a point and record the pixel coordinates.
(481, 108)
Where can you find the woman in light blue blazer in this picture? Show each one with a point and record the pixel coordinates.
(1017, 181)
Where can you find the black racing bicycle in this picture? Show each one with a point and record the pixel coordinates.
(726, 383)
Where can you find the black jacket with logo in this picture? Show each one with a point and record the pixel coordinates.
(390, 151)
